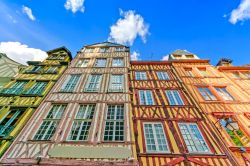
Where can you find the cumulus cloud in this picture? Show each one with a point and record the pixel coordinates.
(26, 10)
(75, 5)
(127, 28)
(134, 56)
(21, 53)
(165, 58)
(241, 13)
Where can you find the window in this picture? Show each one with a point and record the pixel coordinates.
(247, 75)
(100, 62)
(70, 83)
(236, 75)
(189, 56)
(224, 94)
(93, 83)
(206, 94)
(89, 50)
(189, 72)
(155, 137)
(16, 88)
(163, 75)
(237, 136)
(52, 70)
(146, 97)
(114, 124)
(82, 63)
(203, 72)
(140, 75)
(117, 62)
(82, 123)
(50, 123)
(116, 83)
(193, 138)
(8, 121)
(174, 97)
(103, 50)
(120, 49)
(36, 68)
(37, 89)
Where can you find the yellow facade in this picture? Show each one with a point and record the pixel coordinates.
(20, 97)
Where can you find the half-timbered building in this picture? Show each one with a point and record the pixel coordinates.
(21, 96)
(169, 127)
(224, 102)
(85, 119)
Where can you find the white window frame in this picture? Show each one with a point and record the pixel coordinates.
(87, 88)
(140, 75)
(83, 62)
(193, 138)
(155, 137)
(176, 101)
(100, 64)
(146, 102)
(71, 83)
(162, 75)
(222, 91)
(113, 81)
(207, 94)
(115, 64)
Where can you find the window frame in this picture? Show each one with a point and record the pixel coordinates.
(210, 98)
(33, 89)
(82, 61)
(176, 102)
(147, 100)
(223, 93)
(122, 62)
(69, 82)
(163, 75)
(155, 137)
(100, 65)
(87, 88)
(111, 82)
(141, 77)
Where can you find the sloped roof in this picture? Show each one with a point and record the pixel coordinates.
(60, 48)
(105, 44)
(181, 52)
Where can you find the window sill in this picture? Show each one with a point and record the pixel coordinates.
(239, 149)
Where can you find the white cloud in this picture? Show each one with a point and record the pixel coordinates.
(28, 12)
(126, 29)
(135, 56)
(75, 5)
(22, 53)
(241, 13)
(165, 58)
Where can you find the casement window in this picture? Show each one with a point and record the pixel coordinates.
(82, 63)
(247, 75)
(206, 94)
(117, 62)
(120, 49)
(238, 136)
(8, 121)
(140, 75)
(155, 138)
(37, 89)
(162, 75)
(114, 123)
(93, 83)
(189, 72)
(70, 83)
(146, 97)
(116, 83)
(103, 50)
(82, 123)
(50, 123)
(193, 138)
(203, 72)
(174, 97)
(16, 88)
(51, 70)
(101, 62)
(36, 68)
(89, 50)
(224, 94)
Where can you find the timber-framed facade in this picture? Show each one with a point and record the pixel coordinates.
(85, 119)
(169, 127)
(20, 97)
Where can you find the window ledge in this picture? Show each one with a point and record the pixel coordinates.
(239, 149)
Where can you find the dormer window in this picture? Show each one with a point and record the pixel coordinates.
(189, 56)
(177, 56)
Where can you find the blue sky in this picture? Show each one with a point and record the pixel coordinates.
(203, 28)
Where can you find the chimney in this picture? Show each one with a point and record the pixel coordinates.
(224, 62)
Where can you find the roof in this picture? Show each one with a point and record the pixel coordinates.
(60, 48)
(182, 52)
(106, 44)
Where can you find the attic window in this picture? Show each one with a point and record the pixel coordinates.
(177, 56)
(189, 56)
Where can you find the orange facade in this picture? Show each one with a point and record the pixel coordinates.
(170, 129)
(224, 99)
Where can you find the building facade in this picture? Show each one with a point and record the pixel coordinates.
(86, 118)
(169, 128)
(8, 69)
(223, 98)
(21, 96)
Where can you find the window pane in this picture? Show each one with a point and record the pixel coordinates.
(117, 62)
(162, 75)
(174, 97)
(146, 97)
(38, 88)
(224, 94)
(16, 88)
(93, 83)
(71, 83)
(100, 62)
(140, 76)
(116, 83)
(206, 94)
